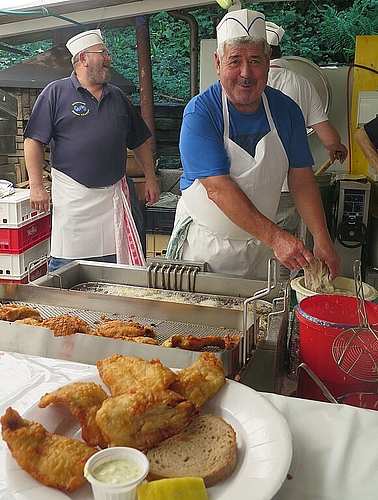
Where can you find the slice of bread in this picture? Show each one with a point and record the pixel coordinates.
(205, 448)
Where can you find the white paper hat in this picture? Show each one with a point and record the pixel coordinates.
(84, 40)
(274, 33)
(242, 22)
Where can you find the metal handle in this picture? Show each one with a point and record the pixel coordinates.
(360, 296)
(35, 264)
(318, 382)
(245, 346)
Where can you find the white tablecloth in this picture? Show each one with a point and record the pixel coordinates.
(335, 450)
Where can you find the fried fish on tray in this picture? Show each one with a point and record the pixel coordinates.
(128, 374)
(54, 460)
(118, 327)
(84, 399)
(29, 321)
(193, 343)
(144, 419)
(141, 340)
(13, 312)
(66, 325)
(201, 380)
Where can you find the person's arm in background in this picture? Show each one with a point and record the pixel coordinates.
(331, 141)
(367, 147)
(306, 195)
(145, 160)
(39, 197)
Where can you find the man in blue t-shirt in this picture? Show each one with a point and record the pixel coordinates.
(239, 139)
(89, 125)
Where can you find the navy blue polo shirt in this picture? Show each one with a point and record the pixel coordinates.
(88, 138)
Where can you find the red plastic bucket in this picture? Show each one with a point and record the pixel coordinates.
(321, 319)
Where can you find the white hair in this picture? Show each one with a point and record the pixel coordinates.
(240, 41)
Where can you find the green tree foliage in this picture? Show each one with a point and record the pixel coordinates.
(340, 28)
(324, 33)
(8, 58)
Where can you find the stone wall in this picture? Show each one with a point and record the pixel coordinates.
(25, 99)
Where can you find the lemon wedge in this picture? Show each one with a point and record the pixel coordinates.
(175, 488)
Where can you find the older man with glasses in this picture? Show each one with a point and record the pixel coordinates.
(89, 124)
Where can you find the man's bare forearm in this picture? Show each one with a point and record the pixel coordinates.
(33, 151)
(39, 197)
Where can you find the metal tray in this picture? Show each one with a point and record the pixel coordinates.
(56, 294)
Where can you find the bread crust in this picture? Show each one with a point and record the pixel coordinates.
(205, 448)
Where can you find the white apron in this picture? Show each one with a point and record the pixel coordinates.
(212, 236)
(103, 224)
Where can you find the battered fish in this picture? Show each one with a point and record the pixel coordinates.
(66, 325)
(12, 312)
(201, 380)
(193, 343)
(84, 399)
(29, 321)
(129, 374)
(142, 420)
(141, 340)
(316, 277)
(54, 460)
(118, 327)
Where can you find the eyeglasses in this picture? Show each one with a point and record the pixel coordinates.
(105, 53)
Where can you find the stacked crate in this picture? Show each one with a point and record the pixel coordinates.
(24, 239)
(159, 228)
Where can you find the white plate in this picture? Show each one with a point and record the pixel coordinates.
(263, 438)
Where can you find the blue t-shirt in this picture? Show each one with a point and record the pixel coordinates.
(88, 138)
(201, 139)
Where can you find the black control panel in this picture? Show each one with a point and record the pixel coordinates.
(354, 205)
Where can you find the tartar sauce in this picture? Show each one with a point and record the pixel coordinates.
(117, 471)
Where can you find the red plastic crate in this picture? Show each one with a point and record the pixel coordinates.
(15, 266)
(16, 241)
(40, 271)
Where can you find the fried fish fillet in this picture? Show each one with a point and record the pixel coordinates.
(141, 340)
(13, 312)
(114, 327)
(54, 460)
(201, 380)
(66, 325)
(84, 399)
(144, 419)
(29, 321)
(129, 374)
(193, 343)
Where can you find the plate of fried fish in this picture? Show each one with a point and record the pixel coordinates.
(139, 403)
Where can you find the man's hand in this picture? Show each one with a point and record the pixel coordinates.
(327, 253)
(291, 251)
(39, 198)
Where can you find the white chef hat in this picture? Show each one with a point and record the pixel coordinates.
(274, 33)
(84, 40)
(243, 22)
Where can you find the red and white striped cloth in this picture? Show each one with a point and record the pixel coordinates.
(128, 246)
